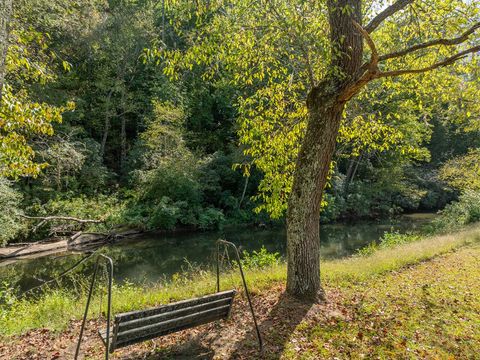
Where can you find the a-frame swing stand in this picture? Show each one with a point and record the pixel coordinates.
(141, 325)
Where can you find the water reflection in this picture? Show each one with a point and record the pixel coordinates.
(154, 257)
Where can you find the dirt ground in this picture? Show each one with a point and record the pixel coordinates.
(277, 313)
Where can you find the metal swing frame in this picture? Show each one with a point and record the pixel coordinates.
(109, 262)
(247, 293)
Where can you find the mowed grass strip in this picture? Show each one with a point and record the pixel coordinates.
(360, 268)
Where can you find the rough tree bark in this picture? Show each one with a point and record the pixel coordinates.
(303, 223)
(5, 14)
(325, 107)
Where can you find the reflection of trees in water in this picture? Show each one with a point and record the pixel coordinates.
(157, 257)
(26, 274)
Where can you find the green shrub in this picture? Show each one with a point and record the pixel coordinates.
(363, 199)
(368, 250)
(259, 259)
(174, 180)
(391, 239)
(164, 215)
(210, 218)
(169, 196)
(10, 225)
(388, 240)
(7, 295)
(459, 213)
(333, 208)
(463, 172)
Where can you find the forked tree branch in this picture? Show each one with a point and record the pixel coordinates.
(367, 71)
(447, 61)
(447, 42)
(374, 58)
(389, 11)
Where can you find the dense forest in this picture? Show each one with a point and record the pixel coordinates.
(111, 110)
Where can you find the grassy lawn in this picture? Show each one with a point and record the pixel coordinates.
(390, 304)
(428, 311)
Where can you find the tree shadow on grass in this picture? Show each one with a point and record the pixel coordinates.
(276, 328)
(237, 338)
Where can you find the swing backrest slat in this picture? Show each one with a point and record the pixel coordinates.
(138, 326)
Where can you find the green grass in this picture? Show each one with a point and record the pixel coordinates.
(56, 308)
(359, 268)
(428, 311)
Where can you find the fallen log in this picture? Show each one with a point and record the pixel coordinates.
(26, 251)
(82, 241)
(79, 242)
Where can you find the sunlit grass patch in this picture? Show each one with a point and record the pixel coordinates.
(431, 310)
(359, 268)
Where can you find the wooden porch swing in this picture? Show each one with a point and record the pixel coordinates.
(141, 325)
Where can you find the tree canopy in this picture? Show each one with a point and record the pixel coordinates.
(278, 50)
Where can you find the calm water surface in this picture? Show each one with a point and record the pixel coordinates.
(158, 256)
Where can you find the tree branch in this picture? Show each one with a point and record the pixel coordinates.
(45, 219)
(389, 11)
(447, 42)
(445, 62)
(374, 58)
(63, 218)
(367, 71)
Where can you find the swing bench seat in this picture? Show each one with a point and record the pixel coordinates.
(138, 326)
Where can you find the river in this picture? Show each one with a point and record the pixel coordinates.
(155, 257)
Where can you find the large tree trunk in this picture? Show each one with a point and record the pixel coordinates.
(5, 14)
(325, 108)
(303, 217)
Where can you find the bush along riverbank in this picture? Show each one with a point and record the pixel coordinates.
(373, 286)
